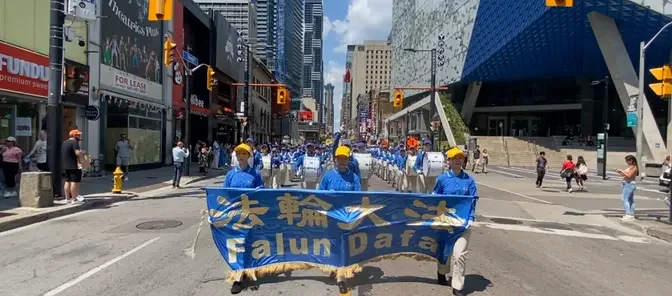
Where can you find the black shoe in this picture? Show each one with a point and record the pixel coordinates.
(343, 288)
(459, 292)
(236, 288)
(441, 279)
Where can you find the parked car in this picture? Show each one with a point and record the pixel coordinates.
(665, 177)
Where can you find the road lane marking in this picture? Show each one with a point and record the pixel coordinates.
(515, 193)
(91, 272)
(518, 170)
(505, 173)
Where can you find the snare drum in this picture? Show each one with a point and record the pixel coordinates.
(432, 164)
(266, 171)
(311, 169)
(365, 162)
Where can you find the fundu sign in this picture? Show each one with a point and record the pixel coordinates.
(265, 231)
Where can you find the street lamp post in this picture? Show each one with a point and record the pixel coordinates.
(432, 86)
(643, 46)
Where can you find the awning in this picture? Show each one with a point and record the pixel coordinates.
(128, 101)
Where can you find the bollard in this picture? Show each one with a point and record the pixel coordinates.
(118, 180)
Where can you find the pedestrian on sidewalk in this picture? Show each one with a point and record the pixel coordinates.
(70, 152)
(541, 164)
(123, 152)
(40, 152)
(203, 158)
(484, 161)
(215, 155)
(11, 159)
(581, 172)
(568, 171)
(629, 186)
(180, 155)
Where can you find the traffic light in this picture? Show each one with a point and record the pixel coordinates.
(398, 99)
(169, 51)
(211, 78)
(559, 3)
(664, 87)
(282, 95)
(160, 10)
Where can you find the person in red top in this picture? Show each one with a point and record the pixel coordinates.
(567, 172)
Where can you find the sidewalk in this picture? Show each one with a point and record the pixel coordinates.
(652, 222)
(97, 191)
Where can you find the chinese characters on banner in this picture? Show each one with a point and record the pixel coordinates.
(257, 228)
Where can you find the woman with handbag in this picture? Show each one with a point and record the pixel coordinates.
(567, 172)
(581, 172)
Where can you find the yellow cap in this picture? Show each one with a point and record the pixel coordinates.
(342, 151)
(454, 152)
(243, 147)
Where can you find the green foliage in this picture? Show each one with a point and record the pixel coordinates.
(456, 121)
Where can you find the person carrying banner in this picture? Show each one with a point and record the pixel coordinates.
(341, 178)
(455, 181)
(242, 176)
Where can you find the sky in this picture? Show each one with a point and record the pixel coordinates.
(350, 22)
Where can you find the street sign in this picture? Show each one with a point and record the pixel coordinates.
(190, 58)
(631, 119)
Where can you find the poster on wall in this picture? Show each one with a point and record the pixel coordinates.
(23, 127)
(132, 48)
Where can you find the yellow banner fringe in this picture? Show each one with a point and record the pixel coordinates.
(341, 272)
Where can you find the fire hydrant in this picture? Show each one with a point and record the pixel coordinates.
(118, 180)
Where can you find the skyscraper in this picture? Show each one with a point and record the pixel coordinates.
(266, 23)
(241, 14)
(346, 102)
(329, 107)
(313, 72)
(371, 70)
(289, 47)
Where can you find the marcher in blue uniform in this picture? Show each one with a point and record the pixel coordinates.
(258, 163)
(353, 165)
(242, 176)
(341, 178)
(455, 181)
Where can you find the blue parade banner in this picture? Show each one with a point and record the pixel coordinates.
(268, 228)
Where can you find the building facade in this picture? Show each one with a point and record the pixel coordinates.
(510, 74)
(24, 75)
(371, 69)
(313, 71)
(260, 102)
(288, 68)
(241, 14)
(346, 101)
(329, 107)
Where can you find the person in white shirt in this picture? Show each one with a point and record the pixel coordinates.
(40, 153)
(123, 151)
(180, 155)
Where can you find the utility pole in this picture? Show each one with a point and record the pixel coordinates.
(187, 117)
(246, 91)
(432, 103)
(54, 107)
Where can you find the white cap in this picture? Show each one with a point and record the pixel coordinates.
(11, 139)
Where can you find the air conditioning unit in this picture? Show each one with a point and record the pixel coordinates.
(82, 10)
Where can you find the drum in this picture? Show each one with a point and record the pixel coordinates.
(266, 171)
(234, 160)
(410, 162)
(432, 164)
(365, 164)
(311, 169)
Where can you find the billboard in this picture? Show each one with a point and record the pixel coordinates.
(131, 49)
(230, 54)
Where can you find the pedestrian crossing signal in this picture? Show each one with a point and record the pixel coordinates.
(398, 99)
(282, 95)
(211, 79)
(160, 10)
(559, 3)
(169, 51)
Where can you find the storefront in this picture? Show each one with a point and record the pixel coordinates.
(131, 96)
(24, 83)
(225, 128)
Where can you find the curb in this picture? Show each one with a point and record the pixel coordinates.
(64, 210)
(652, 231)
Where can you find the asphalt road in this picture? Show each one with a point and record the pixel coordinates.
(101, 252)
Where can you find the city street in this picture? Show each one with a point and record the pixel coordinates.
(522, 244)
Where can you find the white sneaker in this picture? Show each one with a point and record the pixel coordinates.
(9, 194)
(126, 179)
(80, 198)
(628, 218)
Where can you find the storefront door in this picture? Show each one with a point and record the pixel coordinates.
(497, 125)
(6, 126)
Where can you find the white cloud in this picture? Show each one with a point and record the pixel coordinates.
(334, 75)
(327, 27)
(365, 20)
